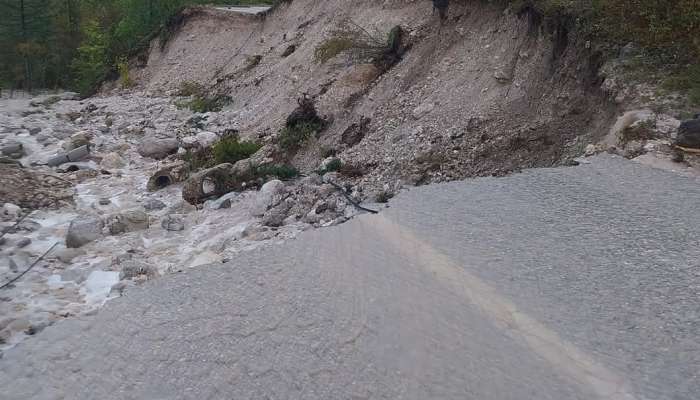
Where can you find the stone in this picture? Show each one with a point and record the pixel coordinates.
(104, 201)
(355, 132)
(269, 196)
(112, 161)
(173, 223)
(153, 205)
(689, 134)
(157, 148)
(11, 211)
(128, 221)
(68, 254)
(206, 139)
(83, 230)
(591, 149)
(423, 110)
(34, 131)
(13, 150)
(23, 242)
(132, 269)
(226, 204)
(76, 140)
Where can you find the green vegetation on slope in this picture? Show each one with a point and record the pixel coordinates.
(77, 43)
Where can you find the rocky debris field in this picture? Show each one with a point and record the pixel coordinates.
(99, 185)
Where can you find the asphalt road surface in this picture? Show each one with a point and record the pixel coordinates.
(570, 283)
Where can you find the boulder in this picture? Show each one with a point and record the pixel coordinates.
(153, 205)
(206, 139)
(128, 221)
(132, 269)
(67, 255)
(83, 230)
(112, 161)
(269, 196)
(689, 134)
(76, 140)
(173, 223)
(13, 150)
(11, 211)
(157, 148)
(423, 110)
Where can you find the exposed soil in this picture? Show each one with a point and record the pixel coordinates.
(488, 92)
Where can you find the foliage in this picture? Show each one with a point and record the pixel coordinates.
(189, 88)
(203, 103)
(124, 76)
(231, 150)
(91, 65)
(686, 80)
(333, 165)
(358, 42)
(226, 150)
(279, 171)
(291, 138)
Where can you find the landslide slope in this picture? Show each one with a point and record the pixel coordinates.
(489, 91)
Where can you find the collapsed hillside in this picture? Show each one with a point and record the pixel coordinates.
(488, 92)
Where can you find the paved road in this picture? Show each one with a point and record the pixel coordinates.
(572, 283)
(254, 10)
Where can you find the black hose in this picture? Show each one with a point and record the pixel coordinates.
(16, 278)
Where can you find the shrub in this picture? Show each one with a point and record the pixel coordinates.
(203, 104)
(124, 76)
(189, 88)
(293, 137)
(333, 165)
(331, 48)
(279, 171)
(231, 150)
(362, 46)
(686, 81)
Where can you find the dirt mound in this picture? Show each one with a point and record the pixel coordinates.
(33, 190)
(486, 92)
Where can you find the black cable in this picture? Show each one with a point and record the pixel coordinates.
(15, 279)
(350, 199)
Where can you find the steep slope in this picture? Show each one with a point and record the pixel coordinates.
(488, 92)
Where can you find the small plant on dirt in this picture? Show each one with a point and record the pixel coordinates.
(124, 75)
(231, 150)
(686, 81)
(333, 165)
(278, 171)
(252, 62)
(204, 104)
(362, 46)
(383, 196)
(292, 138)
(189, 88)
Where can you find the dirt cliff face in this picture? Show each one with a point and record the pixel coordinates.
(486, 92)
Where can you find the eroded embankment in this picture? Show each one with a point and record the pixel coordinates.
(488, 92)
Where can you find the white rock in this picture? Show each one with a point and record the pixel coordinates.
(157, 148)
(423, 110)
(173, 223)
(207, 139)
(11, 211)
(128, 221)
(83, 230)
(112, 161)
(269, 195)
